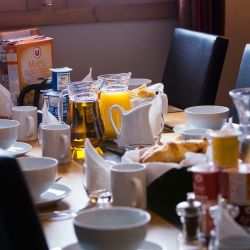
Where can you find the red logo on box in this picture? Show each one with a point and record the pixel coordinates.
(37, 52)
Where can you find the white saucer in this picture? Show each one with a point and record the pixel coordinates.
(54, 194)
(19, 148)
(180, 128)
(137, 82)
(146, 245)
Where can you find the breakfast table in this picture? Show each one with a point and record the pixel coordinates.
(60, 233)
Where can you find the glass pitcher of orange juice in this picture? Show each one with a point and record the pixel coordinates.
(114, 90)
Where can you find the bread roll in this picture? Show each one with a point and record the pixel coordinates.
(173, 151)
(143, 91)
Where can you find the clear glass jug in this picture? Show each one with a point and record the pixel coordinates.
(114, 90)
(83, 113)
(241, 99)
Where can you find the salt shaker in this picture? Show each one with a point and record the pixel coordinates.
(190, 212)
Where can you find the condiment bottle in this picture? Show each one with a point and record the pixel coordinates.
(225, 147)
(190, 213)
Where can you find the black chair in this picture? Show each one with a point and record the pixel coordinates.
(243, 78)
(193, 68)
(19, 224)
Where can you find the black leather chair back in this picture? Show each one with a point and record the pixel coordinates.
(243, 78)
(193, 68)
(19, 224)
(35, 91)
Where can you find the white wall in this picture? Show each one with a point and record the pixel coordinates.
(237, 29)
(139, 46)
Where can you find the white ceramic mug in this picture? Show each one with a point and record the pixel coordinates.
(128, 185)
(27, 116)
(56, 142)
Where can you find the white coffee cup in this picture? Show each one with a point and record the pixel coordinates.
(27, 116)
(8, 132)
(39, 173)
(55, 141)
(128, 185)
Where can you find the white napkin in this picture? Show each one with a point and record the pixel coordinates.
(47, 117)
(227, 226)
(156, 169)
(88, 77)
(157, 87)
(97, 169)
(155, 116)
(6, 103)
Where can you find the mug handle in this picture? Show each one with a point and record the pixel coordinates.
(111, 117)
(66, 146)
(31, 126)
(138, 192)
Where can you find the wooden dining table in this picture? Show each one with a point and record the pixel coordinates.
(60, 233)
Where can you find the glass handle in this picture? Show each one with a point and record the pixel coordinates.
(60, 104)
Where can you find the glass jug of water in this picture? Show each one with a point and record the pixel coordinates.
(241, 99)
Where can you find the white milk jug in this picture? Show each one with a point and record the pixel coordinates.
(135, 126)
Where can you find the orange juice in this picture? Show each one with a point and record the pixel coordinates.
(107, 100)
(225, 147)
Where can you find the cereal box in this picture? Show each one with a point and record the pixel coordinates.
(5, 38)
(27, 61)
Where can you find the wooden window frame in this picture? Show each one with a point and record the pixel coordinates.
(87, 11)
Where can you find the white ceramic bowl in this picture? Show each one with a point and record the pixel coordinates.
(207, 116)
(137, 82)
(114, 228)
(39, 173)
(8, 132)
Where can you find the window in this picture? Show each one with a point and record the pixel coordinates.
(22, 13)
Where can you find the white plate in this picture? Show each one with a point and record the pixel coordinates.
(19, 148)
(137, 82)
(54, 194)
(180, 128)
(147, 245)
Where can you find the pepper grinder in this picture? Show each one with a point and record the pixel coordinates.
(190, 212)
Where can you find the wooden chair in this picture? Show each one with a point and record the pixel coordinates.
(243, 78)
(19, 224)
(193, 68)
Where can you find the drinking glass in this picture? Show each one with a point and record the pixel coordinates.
(96, 183)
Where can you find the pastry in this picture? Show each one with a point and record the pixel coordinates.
(143, 91)
(173, 151)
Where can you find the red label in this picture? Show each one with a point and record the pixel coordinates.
(206, 185)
